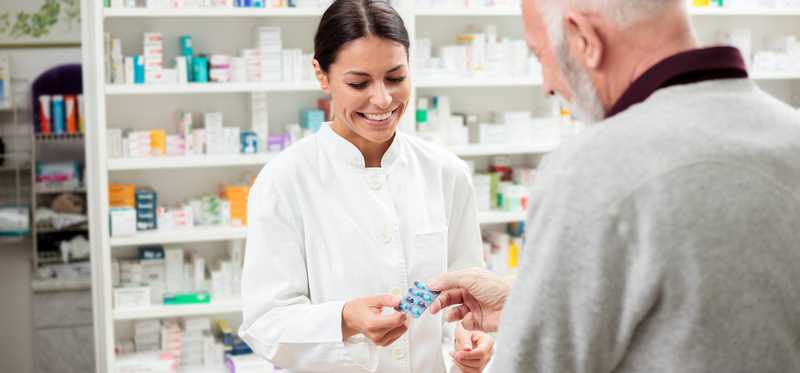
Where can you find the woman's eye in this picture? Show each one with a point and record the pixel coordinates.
(396, 80)
(358, 85)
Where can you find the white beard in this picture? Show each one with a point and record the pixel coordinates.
(585, 101)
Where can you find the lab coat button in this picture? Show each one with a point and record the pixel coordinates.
(375, 182)
(399, 353)
(386, 238)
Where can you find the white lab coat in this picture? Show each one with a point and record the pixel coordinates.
(323, 229)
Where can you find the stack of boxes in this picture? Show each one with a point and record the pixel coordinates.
(175, 145)
(269, 46)
(174, 270)
(152, 264)
(153, 57)
(214, 133)
(296, 65)
(211, 210)
(146, 205)
(122, 200)
(174, 219)
(146, 335)
(259, 117)
(138, 144)
(252, 62)
(172, 339)
(233, 140)
(195, 331)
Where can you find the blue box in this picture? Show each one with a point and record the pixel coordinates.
(312, 119)
(151, 252)
(249, 141)
(138, 69)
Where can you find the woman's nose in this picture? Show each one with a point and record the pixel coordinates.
(381, 97)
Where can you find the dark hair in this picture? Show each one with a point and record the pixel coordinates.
(348, 20)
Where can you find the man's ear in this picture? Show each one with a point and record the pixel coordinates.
(584, 39)
(322, 77)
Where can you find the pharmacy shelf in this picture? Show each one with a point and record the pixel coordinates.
(776, 76)
(469, 12)
(203, 369)
(173, 162)
(165, 311)
(743, 12)
(490, 12)
(478, 82)
(196, 88)
(211, 12)
(504, 149)
(198, 234)
(501, 217)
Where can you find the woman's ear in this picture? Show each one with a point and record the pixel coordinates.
(322, 77)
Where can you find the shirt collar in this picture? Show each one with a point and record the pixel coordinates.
(688, 67)
(338, 148)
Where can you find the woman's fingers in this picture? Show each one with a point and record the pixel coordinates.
(392, 336)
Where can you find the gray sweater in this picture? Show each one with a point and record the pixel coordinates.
(665, 239)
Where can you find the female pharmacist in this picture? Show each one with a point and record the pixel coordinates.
(343, 222)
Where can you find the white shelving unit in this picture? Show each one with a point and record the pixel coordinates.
(198, 234)
(208, 161)
(211, 13)
(513, 12)
(478, 82)
(167, 311)
(106, 103)
(195, 88)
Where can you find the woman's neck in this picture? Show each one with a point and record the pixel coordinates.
(373, 152)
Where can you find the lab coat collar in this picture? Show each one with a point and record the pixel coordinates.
(338, 149)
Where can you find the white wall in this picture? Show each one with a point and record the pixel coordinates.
(15, 258)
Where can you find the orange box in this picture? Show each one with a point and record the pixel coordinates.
(122, 195)
(237, 197)
(158, 142)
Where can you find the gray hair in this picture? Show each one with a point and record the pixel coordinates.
(619, 12)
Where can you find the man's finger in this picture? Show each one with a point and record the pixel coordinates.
(446, 299)
(465, 368)
(472, 364)
(447, 281)
(469, 322)
(456, 313)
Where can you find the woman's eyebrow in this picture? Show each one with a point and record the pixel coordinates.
(361, 73)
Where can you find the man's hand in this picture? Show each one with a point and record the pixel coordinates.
(479, 296)
(472, 350)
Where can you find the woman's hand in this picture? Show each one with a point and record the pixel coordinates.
(472, 350)
(363, 316)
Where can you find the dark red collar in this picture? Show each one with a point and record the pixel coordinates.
(688, 67)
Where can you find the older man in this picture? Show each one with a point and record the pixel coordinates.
(666, 238)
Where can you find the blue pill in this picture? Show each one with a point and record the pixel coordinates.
(422, 304)
(421, 285)
(416, 311)
(417, 292)
(427, 297)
